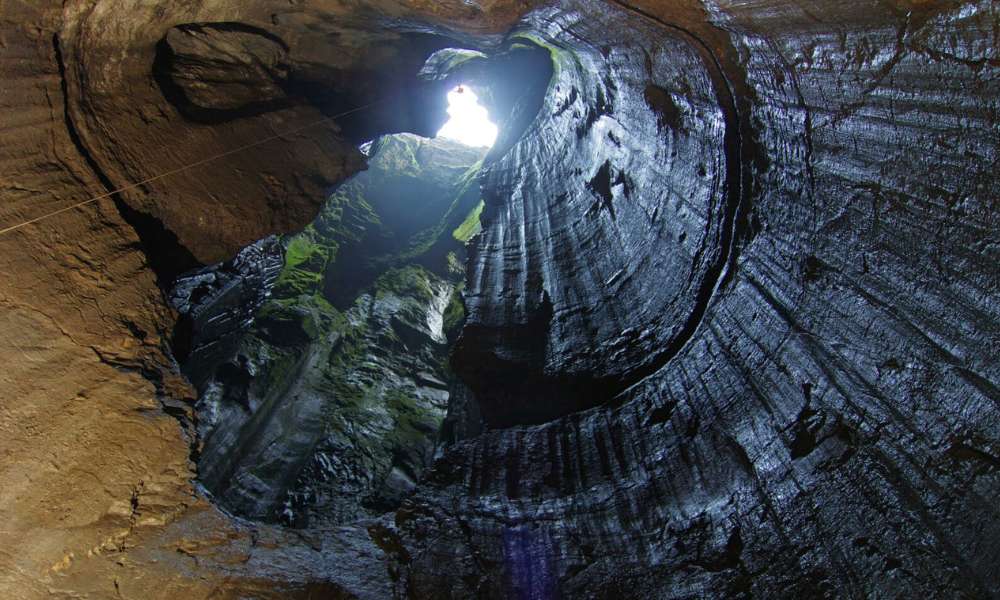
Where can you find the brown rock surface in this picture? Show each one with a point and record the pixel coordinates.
(96, 491)
(92, 466)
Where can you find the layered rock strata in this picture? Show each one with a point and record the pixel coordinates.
(788, 336)
(797, 399)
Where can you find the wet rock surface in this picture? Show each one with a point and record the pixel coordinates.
(217, 305)
(594, 267)
(804, 439)
(320, 360)
(821, 422)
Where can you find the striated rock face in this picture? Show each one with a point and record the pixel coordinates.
(779, 286)
(595, 266)
(733, 315)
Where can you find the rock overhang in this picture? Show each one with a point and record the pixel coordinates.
(866, 274)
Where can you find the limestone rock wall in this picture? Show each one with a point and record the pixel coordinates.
(829, 425)
(821, 421)
(97, 482)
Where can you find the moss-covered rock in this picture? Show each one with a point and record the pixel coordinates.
(454, 313)
(331, 405)
(470, 226)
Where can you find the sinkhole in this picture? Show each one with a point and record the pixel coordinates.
(322, 358)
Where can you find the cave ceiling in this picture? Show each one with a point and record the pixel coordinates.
(728, 310)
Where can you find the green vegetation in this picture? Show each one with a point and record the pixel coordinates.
(398, 156)
(305, 261)
(370, 353)
(413, 421)
(456, 268)
(454, 314)
(470, 226)
(410, 281)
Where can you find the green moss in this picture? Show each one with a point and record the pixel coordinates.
(412, 421)
(299, 249)
(306, 257)
(346, 218)
(346, 356)
(398, 155)
(412, 280)
(470, 226)
(456, 268)
(454, 313)
(347, 215)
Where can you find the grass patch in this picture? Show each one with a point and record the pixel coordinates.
(470, 226)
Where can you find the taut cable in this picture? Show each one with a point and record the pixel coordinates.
(203, 161)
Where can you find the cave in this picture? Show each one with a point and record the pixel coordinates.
(711, 311)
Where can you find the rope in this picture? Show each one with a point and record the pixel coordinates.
(187, 167)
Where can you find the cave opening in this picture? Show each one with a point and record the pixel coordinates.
(714, 316)
(322, 357)
(469, 121)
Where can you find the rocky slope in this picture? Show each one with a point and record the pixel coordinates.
(321, 361)
(733, 316)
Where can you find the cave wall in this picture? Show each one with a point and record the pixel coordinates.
(608, 224)
(97, 483)
(83, 430)
(828, 428)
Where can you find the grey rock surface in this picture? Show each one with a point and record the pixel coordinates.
(217, 305)
(733, 319)
(823, 421)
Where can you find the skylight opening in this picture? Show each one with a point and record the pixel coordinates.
(469, 121)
